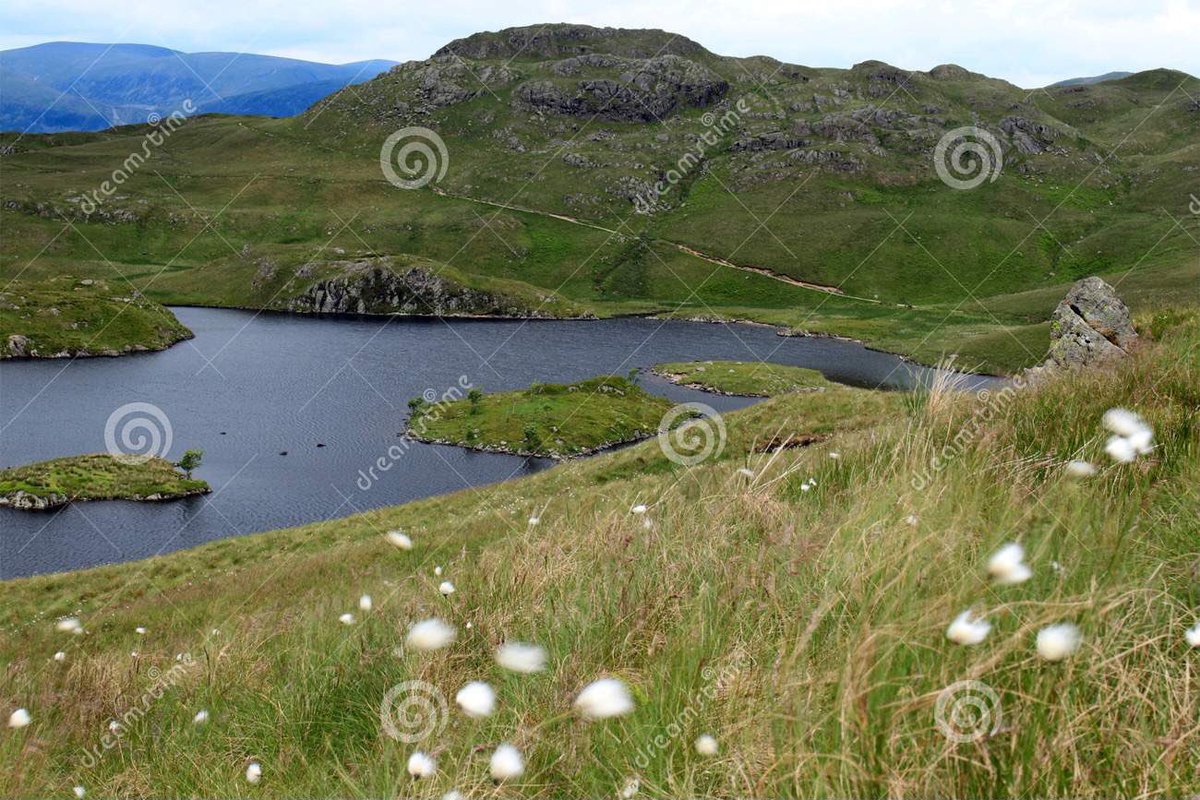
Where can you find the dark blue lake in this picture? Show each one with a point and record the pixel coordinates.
(250, 387)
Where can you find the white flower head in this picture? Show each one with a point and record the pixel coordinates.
(19, 718)
(113, 726)
(1080, 469)
(1120, 449)
(69, 625)
(60, 656)
(1142, 441)
(437, 571)
(365, 604)
(446, 588)
(605, 698)
(476, 699)
(507, 763)
(201, 717)
(639, 509)
(533, 521)
(80, 792)
(1056, 642)
(453, 794)
(253, 772)
(139, 630)
(399, 539)
(967, 629)
(521, 657)
(421, 765)
(1007, 565)
(706, 745)
(430, 634)
(1123, 422)
(1192, 635)
(346, 619)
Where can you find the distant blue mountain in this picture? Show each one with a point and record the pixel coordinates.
(1108, 76)
(76, 86)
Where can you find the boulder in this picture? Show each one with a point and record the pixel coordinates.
(1090, 327)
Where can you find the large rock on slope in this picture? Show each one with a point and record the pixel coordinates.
(1090, 327)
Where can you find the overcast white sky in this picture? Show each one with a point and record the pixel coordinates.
(1029, 42)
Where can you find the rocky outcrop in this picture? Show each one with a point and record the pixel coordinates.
(645, 91)
(1090, 327)
(33, 502)
(376, 287)
(1027, 135)
(557, 41)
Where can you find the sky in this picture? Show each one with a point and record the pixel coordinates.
(1028, 42)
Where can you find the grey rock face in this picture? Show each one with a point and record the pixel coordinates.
(18, 346)
(647, 91)
(374, 287)
(1090, 327)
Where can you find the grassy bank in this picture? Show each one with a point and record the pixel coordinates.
(547, 419)
(64, 317)
(98, 477)
(750, 379)
(805, 630)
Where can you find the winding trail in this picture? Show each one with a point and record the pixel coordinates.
(683, 248)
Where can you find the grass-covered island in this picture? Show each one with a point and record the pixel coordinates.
(69, 317)
(553, 420)
(48, 484)
(745, 378)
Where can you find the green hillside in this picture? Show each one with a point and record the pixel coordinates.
(603, 171)
(792, 605)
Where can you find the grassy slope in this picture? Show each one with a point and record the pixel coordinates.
(63, 315)
(99, 477)
(225, 197)
(742, 378)
(562, 419)
(803, 629)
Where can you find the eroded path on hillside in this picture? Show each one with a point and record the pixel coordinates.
(683, 248)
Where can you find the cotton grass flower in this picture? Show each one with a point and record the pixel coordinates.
(399, 539)
(446, 588)
(639, 509)
(365, 604)
(1121, 450)
(346, 619)
(1007, 565)
(201, 717)
(521, 657)
(19, 718)
(706, 745)
(453, 794)
(437, 571)
(507, 763)
(69, 625)
(140, 631)
(60, 656)
(533, 521)
(477, 700)
(113, 726)
(1056, 642)
(430, 634)
(603, 699)
(253, 772)
(80, 792)
(421, 765)
(966, 629)
(1122, 421)
(631, 788)
(1080, 469)
(1192, 635)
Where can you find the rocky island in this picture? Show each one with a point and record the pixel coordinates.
(549, 420)
(50, 484)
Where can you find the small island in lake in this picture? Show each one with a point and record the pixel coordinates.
(49, 484)
(74, 318)
(551, 420)
(742, 378)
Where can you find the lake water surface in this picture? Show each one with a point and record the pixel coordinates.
(250, 387)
